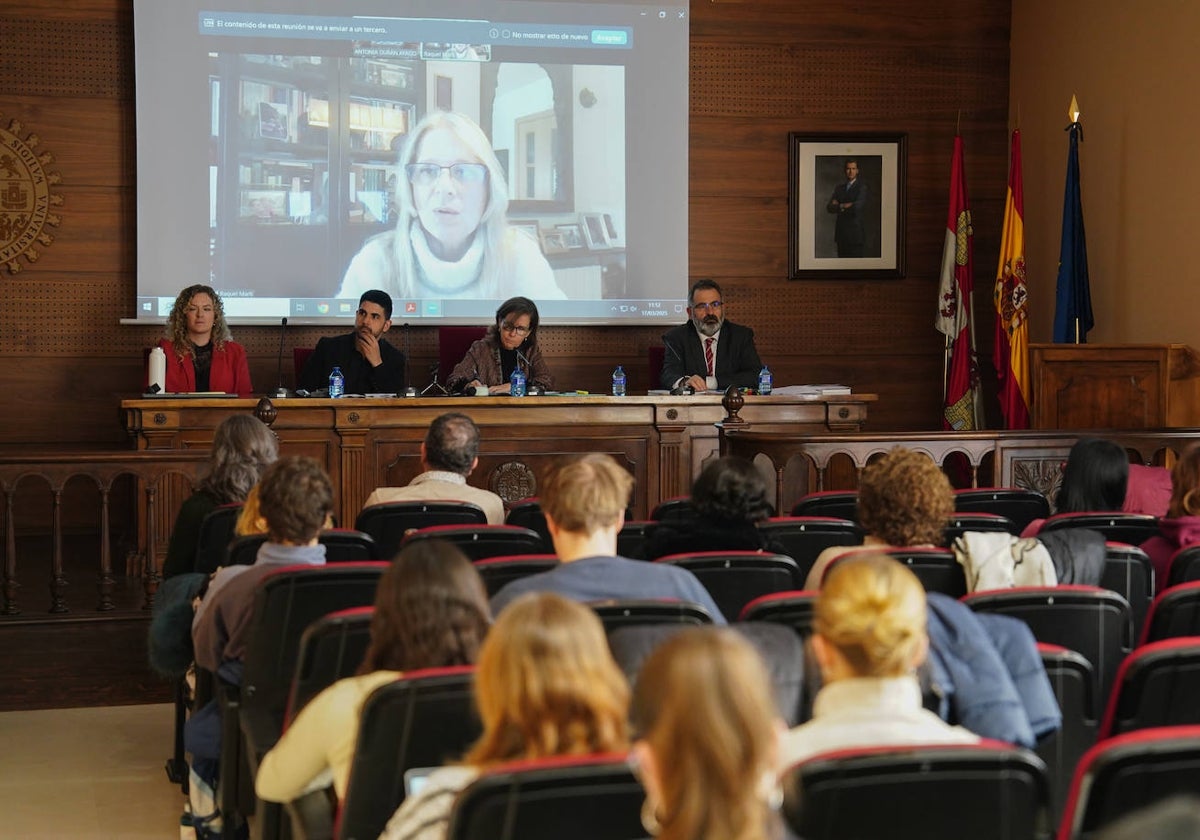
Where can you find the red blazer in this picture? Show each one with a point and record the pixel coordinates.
(230, 371)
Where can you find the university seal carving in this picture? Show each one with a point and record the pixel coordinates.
(25, 197)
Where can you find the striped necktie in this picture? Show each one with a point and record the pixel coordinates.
(708, 355)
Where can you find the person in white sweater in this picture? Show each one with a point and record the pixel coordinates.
(869, 637)
(431, 611)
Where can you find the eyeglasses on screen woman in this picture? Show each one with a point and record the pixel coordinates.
(425, 174)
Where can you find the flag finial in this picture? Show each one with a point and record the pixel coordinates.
(1073, 111)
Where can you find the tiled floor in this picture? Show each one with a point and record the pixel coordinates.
(87, 774)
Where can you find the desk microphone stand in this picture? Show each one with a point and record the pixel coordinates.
(434, 388)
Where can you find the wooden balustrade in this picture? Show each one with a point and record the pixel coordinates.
(804, 463)
(149, 471)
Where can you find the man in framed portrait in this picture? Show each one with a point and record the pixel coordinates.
(848, 202)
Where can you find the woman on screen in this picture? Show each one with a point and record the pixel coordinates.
(201, 355)
(452, 238)
(509, 342)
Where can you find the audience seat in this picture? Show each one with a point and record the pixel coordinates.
(548, 799)
(676, 507)
(937, 568)
(960, 523)
(794, 609)
(1175, 612)
(1020, 505)
(803, 538)
(1129, 573)
(479, 542)
(1129, 772)
(216, 533)
(1073, 681)
(840, 504)
(342, 545)
(1157, 685)
(1184, 566)
(527, 513)
(735, 578)
(1092, 621)
(498, 572)
(622, 612)
(331, 648)
(424, 719)
(1130, 528)
(988, 790)
(388, 523)
(631, 539)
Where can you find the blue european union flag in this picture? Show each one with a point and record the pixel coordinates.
(1073, 305)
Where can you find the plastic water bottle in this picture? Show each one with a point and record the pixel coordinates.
(618, 382)
(516, 382)
(337, 383)
(764, 381)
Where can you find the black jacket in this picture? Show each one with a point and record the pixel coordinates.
(737, 361)
(360, 377)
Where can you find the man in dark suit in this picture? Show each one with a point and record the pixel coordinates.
(708, 352)
(848, 201)
(369, 364)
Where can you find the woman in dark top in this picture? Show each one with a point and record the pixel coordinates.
(242, 448)
(730, 499)
(490, 361)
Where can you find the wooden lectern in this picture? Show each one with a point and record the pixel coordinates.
(1114, 386)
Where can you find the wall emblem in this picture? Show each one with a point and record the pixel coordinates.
(25, 197)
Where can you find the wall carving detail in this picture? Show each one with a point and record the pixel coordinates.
(25, 197)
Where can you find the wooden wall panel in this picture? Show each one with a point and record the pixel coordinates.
(758, 70)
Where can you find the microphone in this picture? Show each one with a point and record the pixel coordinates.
(280, 392)
(407, 350)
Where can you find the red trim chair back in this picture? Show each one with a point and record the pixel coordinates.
(840, 504)
(1018, 504)
(937, 792)
(498, 572)
(1073, 681)
(803, 538)
(1130, 528)
(331, 648)
(479, 542)
(1129, 772)
(527, 513)
(216, 533)
(959, 523)
(388, 523)
(1092, 621)
(1129, 572)
(1184, 566)
(632, 538)
(347, 545)
(1158, 685)
(735, 578)
(587, 798)
(793, 608)
(424, 719)
(1175, 612)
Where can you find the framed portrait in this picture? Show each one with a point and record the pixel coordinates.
(846, 206)
(554, 242)
(572, 235)
(594, 233)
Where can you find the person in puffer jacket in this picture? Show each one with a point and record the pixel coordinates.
(1181, 525)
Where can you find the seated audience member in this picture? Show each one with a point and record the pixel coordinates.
(545, 685)
(584, 499)
(490, 361)
(1148, 491)
(242, 448)
(1181, 526)
(296, 500)
(1095, 478)
(369, 364)
(708, 731)
(431, 611)
(708, 352)
(904, 500)
(201, 354)
(449, 453)
(730, 499)
(869, 636)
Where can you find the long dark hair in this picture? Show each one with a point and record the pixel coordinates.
(1095, 477)
(431, 611)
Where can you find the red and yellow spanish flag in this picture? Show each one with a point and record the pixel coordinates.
(955, 318)
(1011, 351)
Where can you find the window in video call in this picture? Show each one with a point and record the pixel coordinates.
(295, 154)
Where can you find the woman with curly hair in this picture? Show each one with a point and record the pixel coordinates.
(708, 730)
(730, 499)
(904, 500)
(431, 611)
(869, 637)
(546, 685)
(201, 355)
(242, 449)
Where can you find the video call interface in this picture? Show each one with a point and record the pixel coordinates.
(454, 154)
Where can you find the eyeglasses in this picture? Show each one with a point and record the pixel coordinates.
(425, 174)
(508, 326)
(705, 307)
